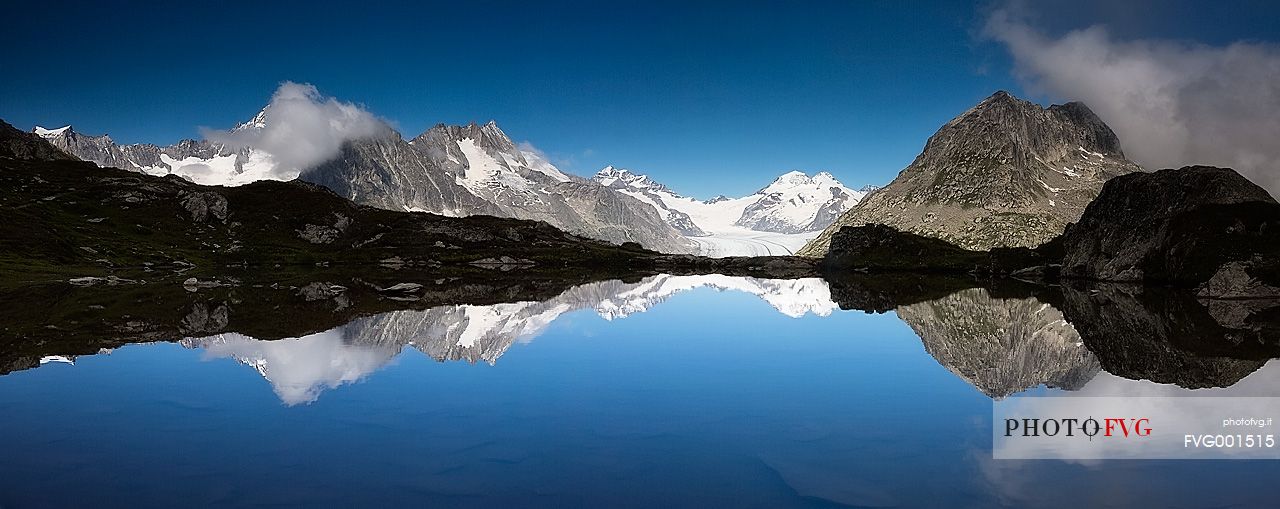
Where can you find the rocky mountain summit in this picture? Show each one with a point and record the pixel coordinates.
(650, 192)
(1006, 173)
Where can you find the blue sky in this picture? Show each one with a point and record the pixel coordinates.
(717, 98)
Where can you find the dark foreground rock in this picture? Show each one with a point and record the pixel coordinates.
(1199, 227)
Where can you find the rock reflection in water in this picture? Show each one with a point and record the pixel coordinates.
(1169, 336)
(1001, 345)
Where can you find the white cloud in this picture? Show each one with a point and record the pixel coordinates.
(1171, 103)
(300, 369)
(540, 161)
(300, 128)
(531, 151)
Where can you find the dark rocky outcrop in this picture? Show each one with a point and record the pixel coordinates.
(1201, 227)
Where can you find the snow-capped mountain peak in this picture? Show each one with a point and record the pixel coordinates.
(202, 162)
(795, 179)
(823, 178)
(454, 170)
(608, 175)
(786, 180)
(622, 178)
(651, 193)
(488, 164)
(791, 209)
(50, 133)
(258, 121)
(796, 202)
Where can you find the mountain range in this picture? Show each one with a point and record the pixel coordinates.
(474, 169)
(1005, 173)
(448, 170)
(75, 222)
(199, 161)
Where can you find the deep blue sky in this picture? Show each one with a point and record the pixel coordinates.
(717, 98)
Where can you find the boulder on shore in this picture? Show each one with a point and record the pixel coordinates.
(1196, 227)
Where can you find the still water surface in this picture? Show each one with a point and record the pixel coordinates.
(701, 391)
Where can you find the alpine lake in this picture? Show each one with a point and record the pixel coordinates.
(662, 391)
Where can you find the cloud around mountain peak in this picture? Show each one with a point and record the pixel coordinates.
(301, 128)
(1173, 103)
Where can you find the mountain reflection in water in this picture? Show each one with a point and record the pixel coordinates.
(1002, 340)
(1001, 345)
(300, 368)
